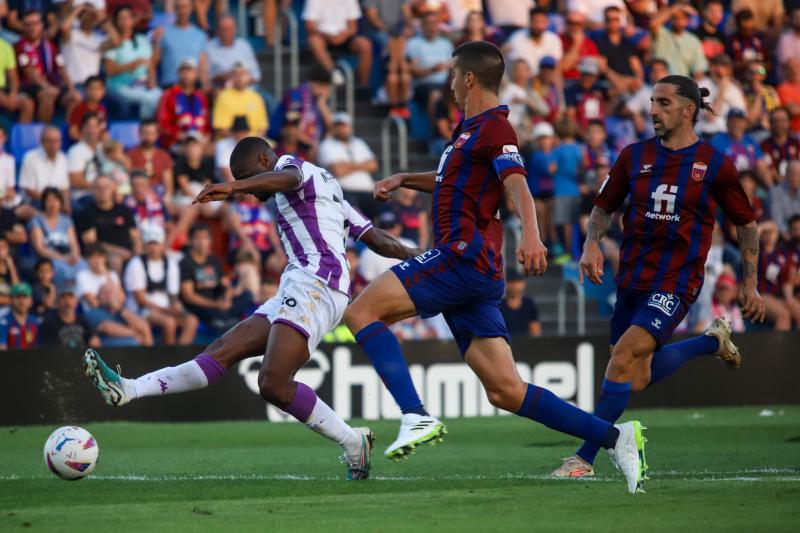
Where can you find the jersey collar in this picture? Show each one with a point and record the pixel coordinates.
(687, 149)
(502, 109)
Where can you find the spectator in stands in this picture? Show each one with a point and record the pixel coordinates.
(183, 108)
(523, 102)
(549, 87)
(239, 99)
(387, 21)
(785, 198)
(725, 95)
(115, 164)
(223, 148)
(103, 298)
(291, 142)
(156, 162)
(576, 45)
(44, 288)
(177, 42)
(619, 61)
(519, 311)
(681, 49)
(19, 328)
(63, 327)
(587, 100)
(637, 106)
(8, 272)
(789, 91)
(370, 264)
(109, 223)
(85, 33)
(761, 98)
(12, 229)
(351, 160)
(95, 89)
(429, 54)
(308, 102)
(42, 73)
(413, 217)
(130, 69)
(205, 291)
(741, 147)
(11, 99)
(775, 279)
(53, 236)
(357, 281)
(725, 305)
(193, 170)
(510, 15)
(332, 27)
(767, 14)
(446, 116)
(252, 228)
(535, 42)
(226, 50)
(789, 42)
(476, 29)
(569, 158)
(750, 187)
(710, 33)
(153, 279)
(83, 157)
(780, 147)
(147, 207)
(541, 167)
(792, 250)
(746, 44)
(9, 198)
(45, 167)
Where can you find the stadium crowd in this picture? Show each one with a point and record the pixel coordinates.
(100, 242)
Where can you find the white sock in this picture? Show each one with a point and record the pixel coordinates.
(169, 380)
(326, 422)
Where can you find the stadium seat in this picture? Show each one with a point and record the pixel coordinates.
(125, 132)
(24, 137)
(420, 124)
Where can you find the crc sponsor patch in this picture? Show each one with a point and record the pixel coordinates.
(666, 302)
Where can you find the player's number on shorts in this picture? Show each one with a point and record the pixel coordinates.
(291, 302)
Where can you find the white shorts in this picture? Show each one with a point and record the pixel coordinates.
(305, 303)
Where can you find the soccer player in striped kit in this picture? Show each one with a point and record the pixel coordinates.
(314, 220)
(674, 183)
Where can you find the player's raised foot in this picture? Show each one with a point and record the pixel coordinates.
(728, 352)
(628, 455)
(358, 460)
(573, 466)
(108, 382)
(415, 430)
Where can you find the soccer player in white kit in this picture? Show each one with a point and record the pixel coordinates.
(314, 222)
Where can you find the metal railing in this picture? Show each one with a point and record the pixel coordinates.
(349, 89)
(580, 297)
(386, 141)
(294, 52)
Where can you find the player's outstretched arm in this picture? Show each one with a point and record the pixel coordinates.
(751, 301)
(592, 258)
(531, 252)
(419, 181)
(384, 243)
(268, 183)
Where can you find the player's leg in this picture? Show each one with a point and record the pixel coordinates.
(247, 339)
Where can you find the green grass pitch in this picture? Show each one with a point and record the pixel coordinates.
(711, 470)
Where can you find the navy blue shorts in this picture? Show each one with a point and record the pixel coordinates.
(439, 281)
(657, 312)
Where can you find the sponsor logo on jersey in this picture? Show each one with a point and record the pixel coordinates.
(656, 323)
(427, 256)
(463, 138)
(664, 204)
(666, 302)
(699, 171)
(646, 168)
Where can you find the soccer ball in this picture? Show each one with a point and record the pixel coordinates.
(71, 452)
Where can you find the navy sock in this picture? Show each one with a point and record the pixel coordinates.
(384, 352)
(610, 406)
(545, 407)
(672, 356)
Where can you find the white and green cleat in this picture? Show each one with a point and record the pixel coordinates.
(358, 461)
(628, 455)
(415, 430)
(110, 384)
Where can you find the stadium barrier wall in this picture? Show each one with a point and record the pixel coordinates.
(47, 386)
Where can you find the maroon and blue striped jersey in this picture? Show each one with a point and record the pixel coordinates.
(673, 198)
(482, 152)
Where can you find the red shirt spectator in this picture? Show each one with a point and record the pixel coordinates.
(183, 109)
(43, 56)
(576, 44)
(156, 162)
(80, 110)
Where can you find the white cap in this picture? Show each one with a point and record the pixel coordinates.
(153, 233)
(543, 129)
(343, 117)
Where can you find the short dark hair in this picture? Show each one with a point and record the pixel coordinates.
(780, 109)
(28, 12)
(658, 61)
(94, 79)
(198, 227)
(319, 74)
(147, 122)
(484, 60)
(43, 261)
(52, 191)
(611, 9)
(138, 173)
(744, 14)
(537, 11)
(87, 117)
(687, 88)
(244, 158)
(94, 249)
(793, 219)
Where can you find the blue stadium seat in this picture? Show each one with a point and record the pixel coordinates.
(420, 124)
(24, 137)
(125, 132)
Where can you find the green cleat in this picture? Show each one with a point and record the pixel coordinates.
(358, 462)
(109, 383)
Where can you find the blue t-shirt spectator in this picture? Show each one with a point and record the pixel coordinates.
(130, 50)
(429, 53)
(745, 152)
(177, 44)
(540, 176)
(568, 158)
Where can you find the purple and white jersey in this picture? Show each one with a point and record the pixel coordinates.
(314, 222)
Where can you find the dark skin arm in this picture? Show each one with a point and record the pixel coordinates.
(384, 243)
(284, 180)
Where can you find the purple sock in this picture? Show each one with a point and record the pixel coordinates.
(212, 368)
(303, 403)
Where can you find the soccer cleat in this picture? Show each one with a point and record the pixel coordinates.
(358, 461)
(573, 466)
(108, 382)
(628, 455)
(415, 430)
(728, 352)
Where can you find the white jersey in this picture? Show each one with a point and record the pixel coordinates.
(314, 222)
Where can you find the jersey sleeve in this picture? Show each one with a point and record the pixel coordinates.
(357, 224)
(291, 161)
(727, 191)
(616, 186)
(501, 147)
